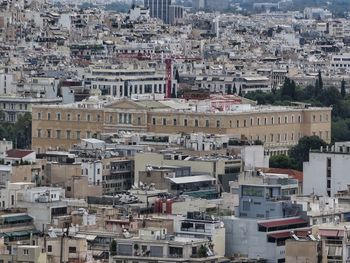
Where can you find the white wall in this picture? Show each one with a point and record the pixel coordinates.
(315, 173)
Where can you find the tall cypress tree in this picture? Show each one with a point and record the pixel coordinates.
(229, 89)
(320, 82)
(240, 91)
(343, 90)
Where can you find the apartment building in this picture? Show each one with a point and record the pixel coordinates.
(11, 107)
(61, 127)
(155, 245)
(126, 82)
(327, 166)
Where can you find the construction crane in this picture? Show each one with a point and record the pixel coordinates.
(168, 60)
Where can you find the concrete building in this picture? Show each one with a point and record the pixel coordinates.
(201, 225)
(155, 244)
(13, 106)
(159, 9)
(63, 126)
(303, 250)
(22, 253)
(263, 221)
(328, 167)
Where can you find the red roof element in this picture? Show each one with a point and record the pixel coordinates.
(286, 234)
(282, 222)
(277, 235)
(331, 233)
(293, 173)
(14, 153)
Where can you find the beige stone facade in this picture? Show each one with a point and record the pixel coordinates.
(60, 127)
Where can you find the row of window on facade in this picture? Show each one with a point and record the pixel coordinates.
(133, 89)
(68, 135)
(237, 124)
(124, 118)
(89, 118)
(12, 106)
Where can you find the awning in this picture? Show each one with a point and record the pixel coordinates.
(283, 222)
(331, 233)
(278, 235)
(18, 219)
(87, 237)
(19, 233)
(192, 179)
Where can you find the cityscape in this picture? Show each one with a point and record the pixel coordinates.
(175, 131)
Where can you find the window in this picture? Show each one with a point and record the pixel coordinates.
(286, 119)
(185, 122)
(88, 134)
(68, 117)
(98, 118)
(49, 247)
(25, 251)
(245, 123)
(251, 121)
(39, 133)
(237, 123)
(299, 119)
(110, 119)
(174, 122)
(58, 116)
(258, 121)
(78, 117)
(78, 135)
(48, 116)
(58, 134)
(246, 206)
(72, 250)
(320, 118)
(313, 118)
(39, 115)
(272, 120)
(279, 120)
(207, 123)
(49, 133)
(196, 123)
(218, 124)
(164, 121)
(154, 121)
(88, 117)
(68, 135)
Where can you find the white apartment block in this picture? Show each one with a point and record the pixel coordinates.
(127, 82)
(340, 61)
(327, 170)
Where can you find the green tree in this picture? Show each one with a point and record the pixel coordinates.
(342, 89)
(282, 161)
(229, 89)
(177, 76)
(320, 81)
(234, 90)
(202, 251)
(113, 247)
(300, 152)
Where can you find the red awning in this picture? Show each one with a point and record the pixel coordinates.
(278, 235)
(283, 222)
(331, 233)
(283, 234)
